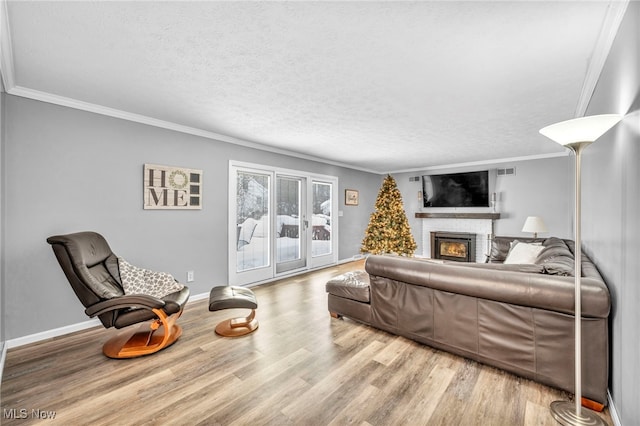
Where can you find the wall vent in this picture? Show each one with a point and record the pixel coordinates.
(507, 171)
(414, 179)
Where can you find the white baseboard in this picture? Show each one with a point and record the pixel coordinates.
(3, 356)
(49, 334)
(351, 259)
(196, 297)
(612, 410)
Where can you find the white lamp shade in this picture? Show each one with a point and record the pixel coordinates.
(583, 129)
(534, 224)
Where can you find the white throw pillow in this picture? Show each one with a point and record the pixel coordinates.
(523, 253)
(143, 281)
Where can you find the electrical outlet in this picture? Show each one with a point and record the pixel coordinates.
(190, 275)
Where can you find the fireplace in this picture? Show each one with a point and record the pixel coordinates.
(457, 246)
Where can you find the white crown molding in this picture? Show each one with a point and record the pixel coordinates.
(610, 25)
(116, 113)
(138, 118)
(486, 162)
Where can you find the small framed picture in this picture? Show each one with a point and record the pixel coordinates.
(350, 197)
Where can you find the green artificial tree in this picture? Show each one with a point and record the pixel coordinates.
(388, 230)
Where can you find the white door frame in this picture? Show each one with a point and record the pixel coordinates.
(268, 273)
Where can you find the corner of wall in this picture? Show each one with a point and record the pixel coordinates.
(3, 346)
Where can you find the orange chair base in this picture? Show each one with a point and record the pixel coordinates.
(145, 340)
(238, 326)
(593, 405)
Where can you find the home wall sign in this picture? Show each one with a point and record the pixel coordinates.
(168, 187)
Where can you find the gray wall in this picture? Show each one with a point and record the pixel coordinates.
(538, 188)
(611, 203)
(63, 170)
(67, 170)
(2, 295)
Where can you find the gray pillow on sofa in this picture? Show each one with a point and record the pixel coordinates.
(556, 258)
(499, 250)
(550, 253)
(558, 268)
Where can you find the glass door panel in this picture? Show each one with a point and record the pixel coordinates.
(252, 221)
(321, 219)
(290, 225)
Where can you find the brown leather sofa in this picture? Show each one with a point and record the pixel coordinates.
(515, 317)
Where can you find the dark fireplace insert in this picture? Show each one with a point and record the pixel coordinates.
(457, 246)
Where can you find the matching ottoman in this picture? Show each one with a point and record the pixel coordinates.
(349, 296)
(233, 297)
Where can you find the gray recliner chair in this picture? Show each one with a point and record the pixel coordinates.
(92, 270)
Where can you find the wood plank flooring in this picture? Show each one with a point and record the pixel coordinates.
(301, 367)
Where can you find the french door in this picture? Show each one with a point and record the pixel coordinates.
(280, 222)
(291, 223)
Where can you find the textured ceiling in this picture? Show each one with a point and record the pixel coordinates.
(381, 86)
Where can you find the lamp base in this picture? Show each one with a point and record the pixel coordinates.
(565, 413)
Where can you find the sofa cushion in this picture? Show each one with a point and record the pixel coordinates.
(523, 253)
(516, 267)
(556, 258)
(501, 246)
(352, 285)
(557, 243)
(550, 253)
(559, 268)
(499, 250)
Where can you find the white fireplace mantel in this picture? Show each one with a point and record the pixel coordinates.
(480, 224)
(455, 215)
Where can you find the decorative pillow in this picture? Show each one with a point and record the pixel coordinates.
(558, 268)
(551, 254)
(499, 250)
(554, 242)
(523, 253)
(143, 281)
(501, 246)
(533, 243)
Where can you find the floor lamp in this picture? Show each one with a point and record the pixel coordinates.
(576, 135)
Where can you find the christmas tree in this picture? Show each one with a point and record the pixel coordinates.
(388, 230)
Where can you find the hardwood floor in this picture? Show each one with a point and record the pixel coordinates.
(301, 367)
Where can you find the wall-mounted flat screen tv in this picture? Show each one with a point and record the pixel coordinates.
(469, 189)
